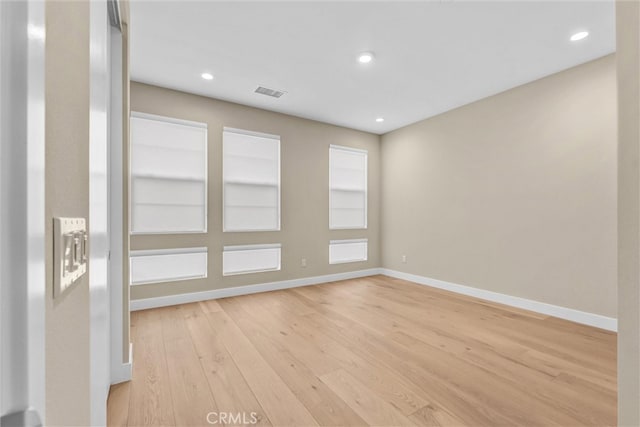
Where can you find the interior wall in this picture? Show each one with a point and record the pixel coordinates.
(515, 193)
(67, 195)
(304, 192)
(628, 55)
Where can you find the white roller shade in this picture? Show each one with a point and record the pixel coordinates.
(167, 265)
(251, 174)
(250, 259)
(347, 188)
(341, 251)
(168, 175)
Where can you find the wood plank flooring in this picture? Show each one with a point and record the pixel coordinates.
(371, 351)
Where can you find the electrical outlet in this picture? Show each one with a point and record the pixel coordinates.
(303, 262)
(404, 259)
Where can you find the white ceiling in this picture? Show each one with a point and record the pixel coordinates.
(430, 57)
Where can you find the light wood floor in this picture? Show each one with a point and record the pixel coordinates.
(375, 351)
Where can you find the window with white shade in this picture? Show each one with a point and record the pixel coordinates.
(168, 175)
(353, 250)
(167, 265)
(250, 259)
(347, 188)
(251, 175)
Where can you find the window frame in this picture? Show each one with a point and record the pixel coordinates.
(168, 252)
(366, 185)
(261, 246)
(279, 182)
(348, 242)
(176, 121)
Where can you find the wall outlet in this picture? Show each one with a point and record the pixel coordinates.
(404, 259)
(303, 262)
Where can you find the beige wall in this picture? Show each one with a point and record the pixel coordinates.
(305, 199)
(515, 193)
(67, 194)
(628, 55)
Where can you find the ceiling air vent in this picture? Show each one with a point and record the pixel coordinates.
(269, 92)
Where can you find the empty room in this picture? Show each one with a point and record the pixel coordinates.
(301, 213)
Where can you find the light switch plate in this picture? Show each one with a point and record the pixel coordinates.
(69, 252)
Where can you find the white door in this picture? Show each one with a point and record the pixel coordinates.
(22, 220)
(99, 211)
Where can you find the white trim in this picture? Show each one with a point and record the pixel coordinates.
(123, 371)
(22, 217)
(257, 230)
(98, 227)
(348, 261)
(142, 304)
(348, 228)
(181, 122)
(344, 241)
(166, 233)
(252, 247)
(337, 243)
(229, 252)
(278, 184)
(116, 206)
(157, 118)
(244, 248)
(366, 186)
(250, 133)
(596, 320)
(260, 270)
(345, 148)
(591, 319)
(154, 252)
(171, 280)
(35, 235)
(22, 196)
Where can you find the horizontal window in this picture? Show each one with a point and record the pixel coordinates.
(251, 175)
(341, 251)
(168, 265)
(347, 188)
(250, 259)
(168, 175)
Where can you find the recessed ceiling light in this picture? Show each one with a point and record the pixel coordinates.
(379, 120)
(365, 57)
(579, 36)
(207, 76)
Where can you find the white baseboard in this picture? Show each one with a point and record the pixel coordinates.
(123, 372)
(591, 319)
(142, 304)
(602, 322)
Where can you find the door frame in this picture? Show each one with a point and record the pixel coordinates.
(99, 210)
(121, 365)
(22, 212)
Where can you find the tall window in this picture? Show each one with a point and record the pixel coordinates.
(251, 174)
(168, 175)
(347, 188)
